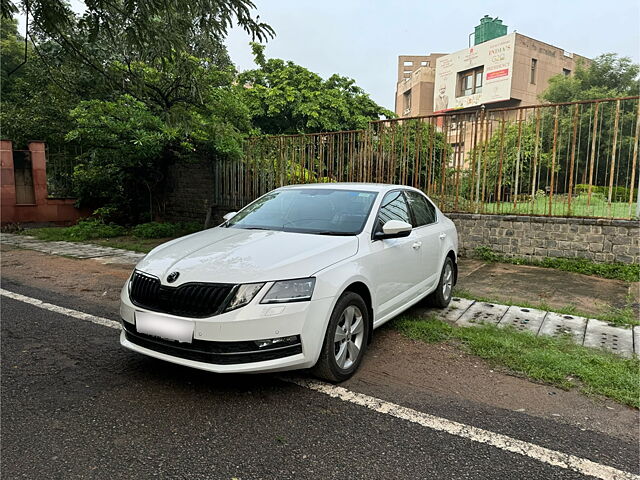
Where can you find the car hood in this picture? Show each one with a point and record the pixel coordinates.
(233, 255)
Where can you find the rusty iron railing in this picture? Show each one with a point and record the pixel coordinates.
(60, 166)
(568, 159)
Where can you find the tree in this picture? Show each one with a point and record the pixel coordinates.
(287, 98)
(163, 26)
(607, 76)
(31, 105)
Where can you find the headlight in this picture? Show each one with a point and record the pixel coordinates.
(290, 291)
(244, 294)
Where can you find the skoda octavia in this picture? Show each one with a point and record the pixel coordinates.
(299, 278)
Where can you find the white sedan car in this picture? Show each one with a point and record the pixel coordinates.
(298, 279)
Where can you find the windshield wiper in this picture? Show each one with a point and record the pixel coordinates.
(329, 232)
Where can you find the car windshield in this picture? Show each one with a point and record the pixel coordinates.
(321, 211)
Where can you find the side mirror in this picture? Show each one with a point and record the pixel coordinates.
(393, 229)
(229, 216)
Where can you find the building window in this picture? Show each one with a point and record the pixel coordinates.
(406, 97)
(425, 63)
(534, 68)
(408, 64)
(566, 72)
(470, 81)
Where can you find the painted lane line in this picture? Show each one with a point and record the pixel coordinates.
(105, 322)
(475, 434)
(503, 442)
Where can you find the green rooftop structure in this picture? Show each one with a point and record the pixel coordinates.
(489, 29)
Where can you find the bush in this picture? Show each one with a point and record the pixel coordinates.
(84, 230)
(93, 228)
(619, 194)
(164, 230)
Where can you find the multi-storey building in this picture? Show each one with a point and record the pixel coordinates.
(498, 70)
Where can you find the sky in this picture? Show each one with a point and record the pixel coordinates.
(362, 39)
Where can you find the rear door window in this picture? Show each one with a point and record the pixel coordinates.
(423, 210)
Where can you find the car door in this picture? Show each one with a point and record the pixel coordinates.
(395, 261)
(428, 233)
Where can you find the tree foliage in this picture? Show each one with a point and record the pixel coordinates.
(607, 76)
(161, 27)
(131, 88)
(288, 98)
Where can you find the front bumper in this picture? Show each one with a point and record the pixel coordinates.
(224, 343)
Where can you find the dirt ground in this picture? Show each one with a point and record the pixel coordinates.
(507, 283)
(397, 367)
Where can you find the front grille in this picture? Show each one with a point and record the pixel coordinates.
(219, 353)
(189, 300)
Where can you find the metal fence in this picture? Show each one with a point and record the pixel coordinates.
(60, 165)
(570, 159)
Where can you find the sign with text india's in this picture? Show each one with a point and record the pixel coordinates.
(475, 76)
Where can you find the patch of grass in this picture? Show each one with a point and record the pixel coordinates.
(84, 230)
(556, 361)
(621, 317)
(140, 238)
(132, 243)
(616, 271)
(598, 207)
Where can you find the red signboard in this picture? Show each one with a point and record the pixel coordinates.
(498, 73)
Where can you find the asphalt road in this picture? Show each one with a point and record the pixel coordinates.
(77, 405)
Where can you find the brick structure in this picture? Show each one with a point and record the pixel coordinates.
(190, 191)
(600, 240)
(23, 192)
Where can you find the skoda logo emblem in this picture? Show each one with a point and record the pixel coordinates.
(172, 277)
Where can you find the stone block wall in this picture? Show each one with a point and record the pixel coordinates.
(600, 240)
(190, 191)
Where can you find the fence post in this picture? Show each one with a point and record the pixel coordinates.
(613, 152)
(593, 153)
(553, 158)
(573, 156)
(518, 153)
(633, 168)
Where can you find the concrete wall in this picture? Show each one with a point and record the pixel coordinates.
(57, 210)
(601, 240)
(551, 61)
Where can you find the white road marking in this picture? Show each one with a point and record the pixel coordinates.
(57, 309)
(503, 442)
(475, 434)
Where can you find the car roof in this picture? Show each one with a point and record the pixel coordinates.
(368, 187)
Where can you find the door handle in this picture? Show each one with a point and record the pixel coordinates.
(443, 236)
(416, 245)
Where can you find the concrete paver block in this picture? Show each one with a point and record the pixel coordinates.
(482, 313)
(556, 325)
(453, 312)
(523, 319)
(615, 339)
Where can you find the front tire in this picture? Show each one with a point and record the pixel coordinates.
(345, 340)
(441, 297)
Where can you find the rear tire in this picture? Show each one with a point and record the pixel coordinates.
(345, 340)
(441, 297)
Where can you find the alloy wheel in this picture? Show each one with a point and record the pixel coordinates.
(348, 337)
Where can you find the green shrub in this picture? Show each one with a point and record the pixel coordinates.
(619, 194)
(164, 229)
(93, 228)
(84, 230)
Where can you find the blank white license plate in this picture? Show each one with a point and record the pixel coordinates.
(164, 327)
